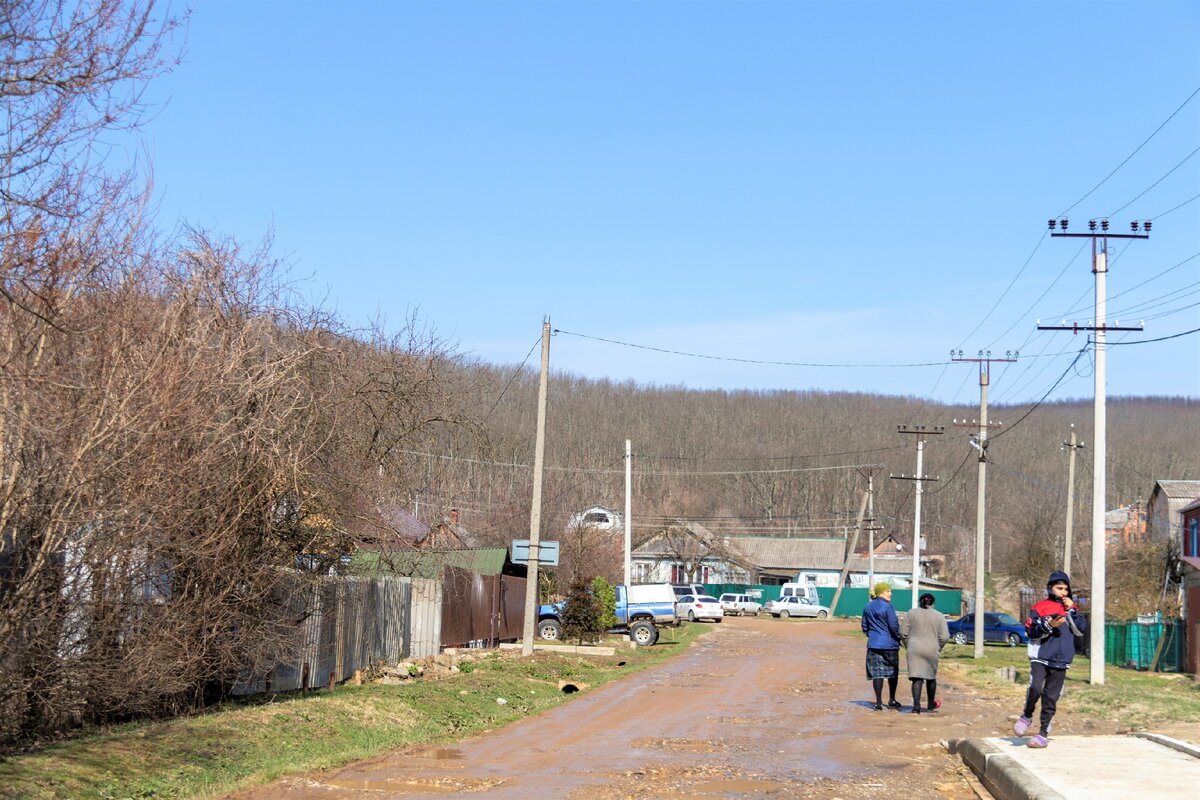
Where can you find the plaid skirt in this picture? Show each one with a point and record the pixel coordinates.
(883, 663)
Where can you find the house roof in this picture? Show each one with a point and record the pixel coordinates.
(791, 555)
(1177, 489)
(1192, 506)
(428, 563)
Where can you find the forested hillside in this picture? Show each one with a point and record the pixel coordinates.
(783, 462)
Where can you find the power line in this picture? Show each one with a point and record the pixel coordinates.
(1192, 199)
(769, 458)
(1043, 398)
(1157, 182)
(1131, 155)
(745, 360)
(516, 373)
(1159, 339)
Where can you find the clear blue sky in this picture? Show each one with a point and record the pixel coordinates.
(849, 183)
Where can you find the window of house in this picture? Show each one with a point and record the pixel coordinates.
(1193, 548)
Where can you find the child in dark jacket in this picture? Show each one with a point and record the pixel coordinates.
(1052, 626)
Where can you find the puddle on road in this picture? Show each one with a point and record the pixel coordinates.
(395, 786)
(738, 786)
(441, 754)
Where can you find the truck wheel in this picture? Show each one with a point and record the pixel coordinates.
(550, 630)
(643, 634)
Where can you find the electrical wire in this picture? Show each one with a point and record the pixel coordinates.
(1035, 406)
(1159, 339)
(515, 375)
(651, 456)
(1157, 182)
(1131, 155)
(1192, 199)
(745, 360)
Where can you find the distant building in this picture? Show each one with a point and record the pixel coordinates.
(597, 517)
(1167, 500)
(1124, 525)
(1189, 553)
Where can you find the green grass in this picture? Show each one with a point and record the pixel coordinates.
(1128, 696)
(250, 743)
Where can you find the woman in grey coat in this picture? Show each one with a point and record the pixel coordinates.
(924, 634)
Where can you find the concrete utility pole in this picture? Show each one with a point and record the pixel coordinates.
(1100, 329)
(628, 512)
(852, 544)
(980, 443)
(535, 511)
(920, 431)
(1067, 545)
(871, 526)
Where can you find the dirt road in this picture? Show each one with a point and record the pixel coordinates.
(758, 708)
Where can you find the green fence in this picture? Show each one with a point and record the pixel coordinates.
(1135, 644)
(853, 599)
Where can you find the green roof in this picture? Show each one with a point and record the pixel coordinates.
(427, 563)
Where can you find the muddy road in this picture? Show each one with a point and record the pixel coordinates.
(758, 708)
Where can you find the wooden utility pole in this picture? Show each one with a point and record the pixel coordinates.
(1073, 446)
(1099, 329)
(920, 431)
(980, 443)
(535, 511)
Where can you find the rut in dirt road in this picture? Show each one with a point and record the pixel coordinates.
(757, 708)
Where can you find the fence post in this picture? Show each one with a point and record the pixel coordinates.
(339, 634)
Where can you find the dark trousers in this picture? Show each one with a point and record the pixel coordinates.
(1046, 684)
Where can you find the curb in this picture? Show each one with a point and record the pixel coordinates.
(1001, 774)
(1187, 748)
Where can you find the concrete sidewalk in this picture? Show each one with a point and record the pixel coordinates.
(1143, 765)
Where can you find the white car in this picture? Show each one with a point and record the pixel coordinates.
(699, 606)
(796, 607)
(735, 605)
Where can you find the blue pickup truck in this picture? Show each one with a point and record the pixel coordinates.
(641, 611)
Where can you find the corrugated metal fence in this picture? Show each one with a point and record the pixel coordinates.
(345, 624)
(1146, 645)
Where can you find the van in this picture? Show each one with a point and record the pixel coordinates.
(805, 590)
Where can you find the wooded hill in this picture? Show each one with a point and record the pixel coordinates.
(783, 463)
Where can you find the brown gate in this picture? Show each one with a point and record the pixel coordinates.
(479, 610)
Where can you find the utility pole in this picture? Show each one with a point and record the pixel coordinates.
(535, 511)
(980, 443)
(1100, 328)
(1073, 446)
(920, 431)
(628, 513)
(871, 526)
(851, 545)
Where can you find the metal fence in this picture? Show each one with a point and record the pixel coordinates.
(1157, 646)
(346, 624)
(853, 600)
(481, 610)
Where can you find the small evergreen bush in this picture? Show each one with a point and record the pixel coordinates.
(606, 596)
(581, 614)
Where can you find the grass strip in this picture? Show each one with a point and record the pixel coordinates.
(245, 744)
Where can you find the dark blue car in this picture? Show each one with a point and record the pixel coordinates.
(997, 627)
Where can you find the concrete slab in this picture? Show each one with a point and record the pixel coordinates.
(1084, 767)
(579, 650)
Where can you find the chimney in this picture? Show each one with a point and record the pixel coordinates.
(454, 516)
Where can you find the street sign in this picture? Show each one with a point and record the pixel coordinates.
(547, 552)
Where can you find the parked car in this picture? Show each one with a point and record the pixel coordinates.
(736, 605)
(997, 627)
(795, 606)
(699, 606)
(641, 611)
(682, 589)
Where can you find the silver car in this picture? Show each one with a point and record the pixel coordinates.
(795, 607)
(736, 605)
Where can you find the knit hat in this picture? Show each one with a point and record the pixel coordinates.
(880, 588)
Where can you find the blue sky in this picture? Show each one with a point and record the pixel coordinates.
(846, 183)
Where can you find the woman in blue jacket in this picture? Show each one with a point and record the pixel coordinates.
(882, 628)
